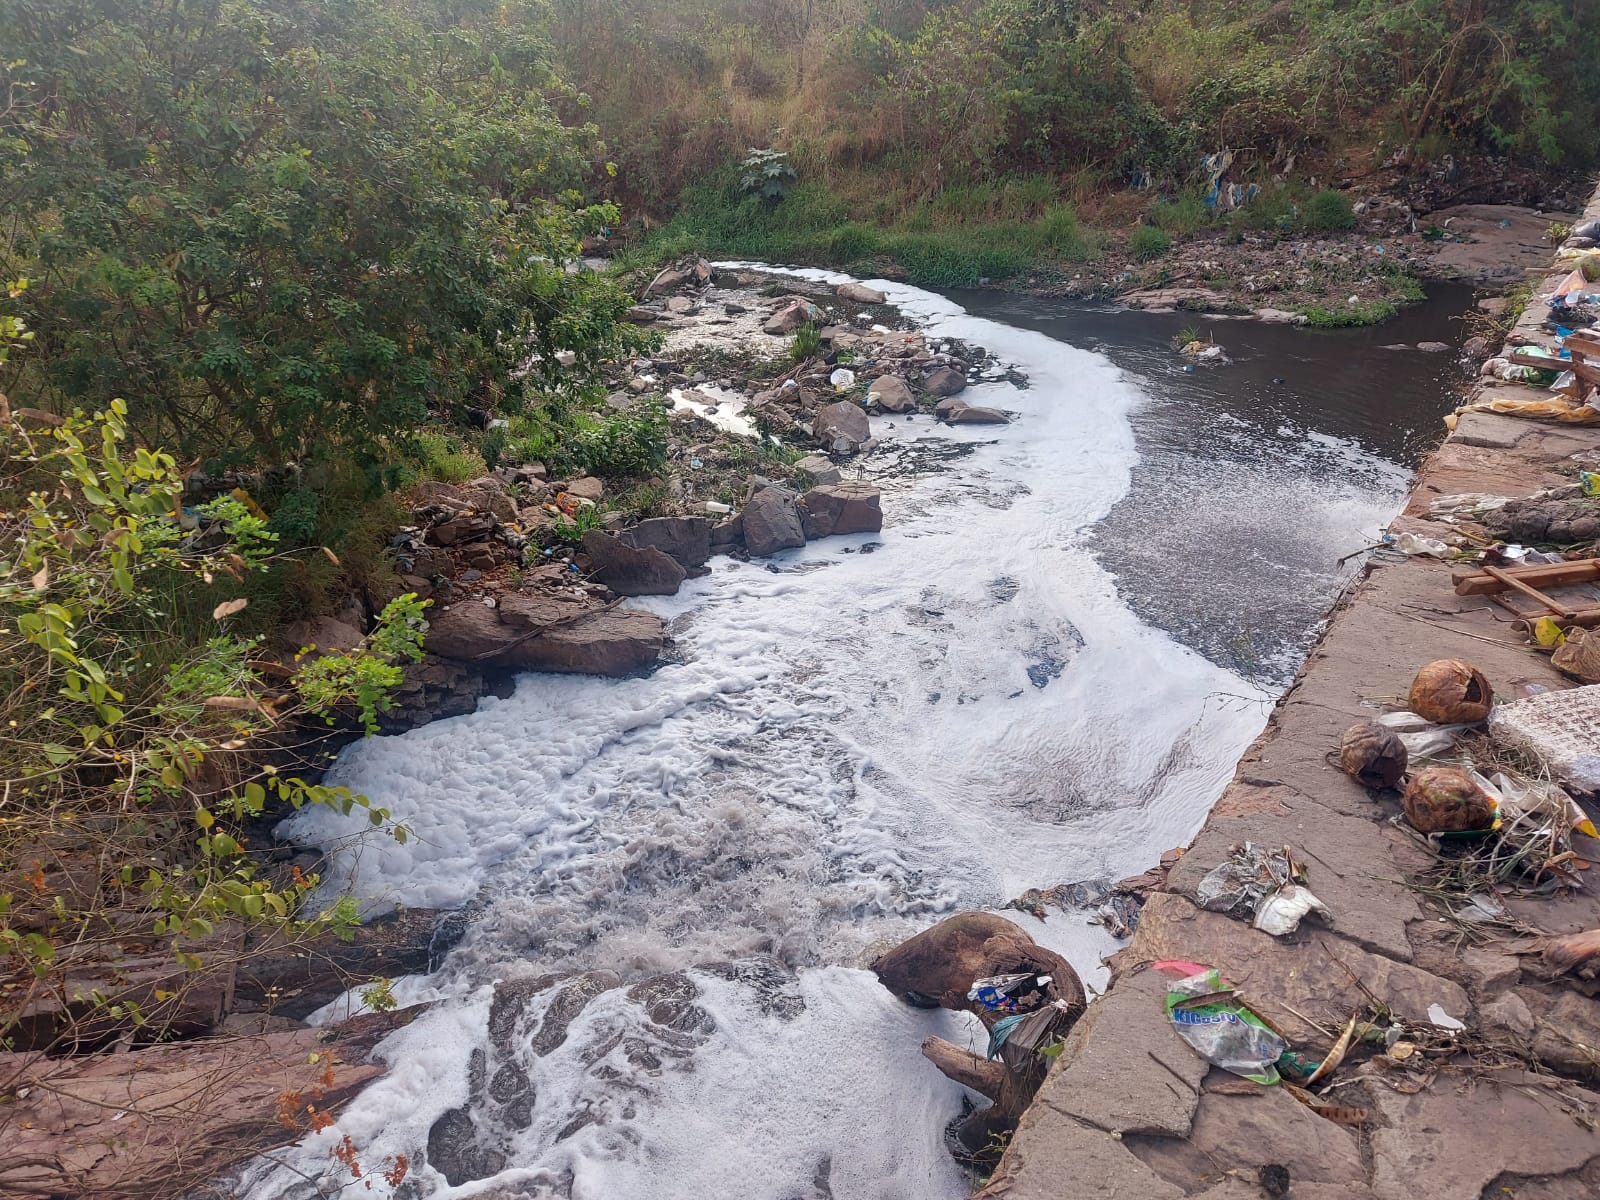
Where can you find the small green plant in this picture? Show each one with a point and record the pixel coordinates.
(379, 995)
(572, 529)
(1149, 243)
(1185, 336)
(1558, 232)
(767, 173)
(296, 518)
(806, 343)
(1330, 212)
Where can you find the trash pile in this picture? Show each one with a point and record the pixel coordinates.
(1270, 884)
(1467, 793)
(1567, 368)
(1211, 1015)
(1204, 353)
(1033, 1018)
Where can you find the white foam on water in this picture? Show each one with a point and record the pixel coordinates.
(857, 737)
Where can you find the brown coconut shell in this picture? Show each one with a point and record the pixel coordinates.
(1374, 754)
(1445, 800)
(1450, 692)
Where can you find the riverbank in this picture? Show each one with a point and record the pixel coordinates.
(1506, 1104)
(1329, 259)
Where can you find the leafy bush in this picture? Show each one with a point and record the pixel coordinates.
(1330, 211)
(129, 701)
(631, 443)
(444, 456)
(767, 173)
(1148, 243)
(296, 518)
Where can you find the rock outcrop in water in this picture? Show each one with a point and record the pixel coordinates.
(548, 633)
(937, 968)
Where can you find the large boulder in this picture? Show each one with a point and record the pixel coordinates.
(772, 521)
(841, 427)
(586, 488)
(944, 381)
(892, 394)
(632, 571)
(790, 315)
(841, 508)
(547, 633)
(686, 539)
(859, 293)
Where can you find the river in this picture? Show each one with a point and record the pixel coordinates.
(1041, 671)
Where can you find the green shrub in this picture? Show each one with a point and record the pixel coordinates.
(1058, 231)
(1148, 243)
(631, 443)
(1330, 211)
(850, 243)
(296, 519)
(1182, 215)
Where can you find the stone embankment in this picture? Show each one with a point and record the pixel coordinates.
(1505, 1104)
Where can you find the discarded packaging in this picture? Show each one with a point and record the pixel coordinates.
(1281, 913)
(1268, 882)
(842, 378)
(1010, 993)
(1373, 754)
(1415, 544)
(1450, 690)
(1421, 737)
(1446, 800)
(1222, 1029)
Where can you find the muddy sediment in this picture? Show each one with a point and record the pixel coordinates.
(1505, 1105)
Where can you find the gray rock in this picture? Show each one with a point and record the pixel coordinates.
(640, 315)
(969, 414)
(687, 540)
(587, 488)
(1434, 347)
(947, 406)
(945, 382)
(819, 469)
(454, 1151)
(790, 315)
(892, 394)
(772, 521)
(841, 427)
(632, 571)
(859, 293)
(680, 305)
(841, 508)
(669, 280)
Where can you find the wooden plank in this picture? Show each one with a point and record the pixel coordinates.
(1566, 574)
(1528, 590)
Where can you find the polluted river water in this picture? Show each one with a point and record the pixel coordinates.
(1042, 671)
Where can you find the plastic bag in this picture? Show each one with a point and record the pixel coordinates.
(1010, 993)
(1224, 1032)
(1282, 912)
(842, 378)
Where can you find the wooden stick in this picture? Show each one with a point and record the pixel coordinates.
(1528, 590)
(1481, 583)
(965, 1067)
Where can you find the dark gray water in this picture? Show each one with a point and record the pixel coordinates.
(1255, 478)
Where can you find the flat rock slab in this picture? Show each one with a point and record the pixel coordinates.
(1348, 867)
(1054, 1159)
(1493, 430)
(1275, 977)
(1454, 1141)
(1125, 1070)
(163, 1120)
(1246, 1129)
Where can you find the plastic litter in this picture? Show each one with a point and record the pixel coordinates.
(1421, 737)
(1269, 882)
(1416, 544)
(1442, 1019)
(842, 378)
(1222, 1029)
(1010, 993)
